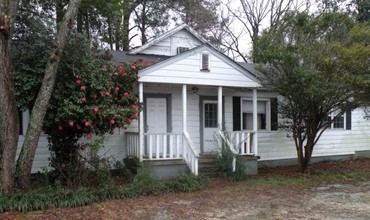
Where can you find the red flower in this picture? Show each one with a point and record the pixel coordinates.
(126, 94)
(60, 128)
(87, 123)
(78, 127)
(133, 67)
(115, 73)
(96, 109)
(95, 96)
(83, 99)
(140, 59)
(112, 121)
(110, 74)
(62, 165)
(83, 88)
(117, 88)
(71, 123)
(89, 136)
(107, 93)
(78, 81)
(83, 147)
(120, 69)
(123, 74)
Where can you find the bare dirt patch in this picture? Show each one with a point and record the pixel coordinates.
(276, 193)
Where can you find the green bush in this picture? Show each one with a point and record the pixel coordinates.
(143, 184)
(188, 183)
(224, 162)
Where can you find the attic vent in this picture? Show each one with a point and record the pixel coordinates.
(182, 49)
(205, 62)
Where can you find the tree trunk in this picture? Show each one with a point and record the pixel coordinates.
(125, 32)
(307, 155)
(9, 121)
(25, 160)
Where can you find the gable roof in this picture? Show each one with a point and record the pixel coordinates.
(245, 71)
(167, 34)
(119, 57)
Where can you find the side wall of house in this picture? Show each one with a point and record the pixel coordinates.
(275, 145)
(113, 149)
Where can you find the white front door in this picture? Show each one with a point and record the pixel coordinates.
(210, 124)
(156, 115)
(156, 127)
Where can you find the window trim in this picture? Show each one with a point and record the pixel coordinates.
(331, 126)
(268, 112)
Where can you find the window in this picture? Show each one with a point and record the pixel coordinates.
(182, 50)
(210, 115)
(263, 115)
(205, 62)
(338, 122)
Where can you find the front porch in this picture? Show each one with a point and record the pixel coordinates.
(149, 144)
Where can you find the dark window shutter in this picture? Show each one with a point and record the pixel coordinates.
(236, 113)
(20, 115)
(349, 120)
(274, 114)
(205, 61)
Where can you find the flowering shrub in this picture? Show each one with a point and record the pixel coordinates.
(91, 97)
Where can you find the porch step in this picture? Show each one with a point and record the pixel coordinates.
(207, 166)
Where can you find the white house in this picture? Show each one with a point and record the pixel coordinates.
(192, 91)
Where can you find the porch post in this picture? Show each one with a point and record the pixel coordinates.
(184, 109)
(255, 127)
(141, 122)
(219, 109)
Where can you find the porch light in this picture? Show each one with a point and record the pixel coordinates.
(195, 89)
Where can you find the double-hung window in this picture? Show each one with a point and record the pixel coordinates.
(337, 121)
(263, 115)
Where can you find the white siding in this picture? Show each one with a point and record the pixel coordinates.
(275, 144)
(187, 71)
(168, 46)
(113, 149)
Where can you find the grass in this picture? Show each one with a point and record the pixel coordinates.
(314, 179)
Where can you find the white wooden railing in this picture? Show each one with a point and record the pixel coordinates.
(243, 142)
(162, 146)
(239, 143)
(230, 146)
(132, 144)
(190, 155)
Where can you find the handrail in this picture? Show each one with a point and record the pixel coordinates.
(231, 147)
(227, 142)
(188, 139)
(190, 156)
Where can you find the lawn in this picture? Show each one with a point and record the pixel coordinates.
(336, 190)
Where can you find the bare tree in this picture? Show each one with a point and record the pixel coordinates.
(252, 17)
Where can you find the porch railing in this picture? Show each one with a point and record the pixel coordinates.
(162, 146)
(190, 154)
(243, 142)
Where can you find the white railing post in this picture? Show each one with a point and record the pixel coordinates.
(141, 122)
(219, 108)
(255, 127)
